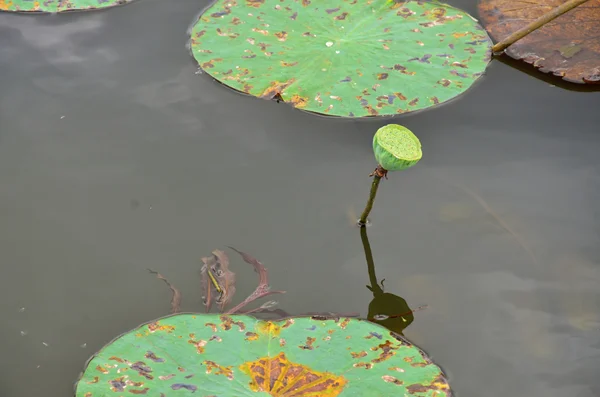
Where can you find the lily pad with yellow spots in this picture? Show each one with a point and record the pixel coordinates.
(342, 57)
(55, 6)
(236, 355)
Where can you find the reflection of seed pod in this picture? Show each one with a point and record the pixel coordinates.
(396, 147)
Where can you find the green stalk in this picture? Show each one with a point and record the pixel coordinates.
(379, 173)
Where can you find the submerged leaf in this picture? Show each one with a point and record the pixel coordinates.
(263, 289)
(342, 58)
(568, 46)
(221, 355)
(176, 299)
(54, 6)
(218, 282)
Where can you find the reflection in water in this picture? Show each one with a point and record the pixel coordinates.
(385, 309)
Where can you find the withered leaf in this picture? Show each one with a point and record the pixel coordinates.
(176, 299)
(568, 46)
(263, 289)
(218, 282)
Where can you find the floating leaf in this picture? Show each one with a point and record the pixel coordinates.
(221, 355)
(57, 5)
(341, 57)
(568, 46)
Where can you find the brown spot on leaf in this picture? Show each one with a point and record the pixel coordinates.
(101, 369)
(391, 379)
(227, 323)
(438, 384)
(198, 343)
(251, 336)
(305, 3)
(309, 343)
(281, 36)
(344, 323)
(142, 391)
(261, 31)
(400, 96)
(218, 369)
(434, 100)
(299, 101)
(413, 102)
(205, 65)
(372, 111)
(287, 64)
(294, 16)
(359, 354)
(254, 3)
(275, 88)
(278, 376)
(341, 17)
(363, 365)
(236, 21)
(332, 10)
(382, 76)
(211, 325)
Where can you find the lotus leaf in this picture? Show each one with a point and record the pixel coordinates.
(54, 6)
(236, 355)
(342, 57)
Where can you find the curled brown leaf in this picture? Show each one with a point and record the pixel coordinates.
(176, 299)
(263, 289)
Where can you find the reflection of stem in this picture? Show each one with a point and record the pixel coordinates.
(375, 288)
(538, 23)
(377, 175)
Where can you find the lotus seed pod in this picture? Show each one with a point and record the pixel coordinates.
(396, 147)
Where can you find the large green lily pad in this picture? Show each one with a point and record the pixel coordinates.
(236, 355)
(54, 6)
(341, 57)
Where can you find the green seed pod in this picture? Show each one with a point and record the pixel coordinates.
(396, 147)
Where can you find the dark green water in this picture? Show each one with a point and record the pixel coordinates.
(116, 157)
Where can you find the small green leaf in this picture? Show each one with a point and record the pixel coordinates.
(396, 147)
(54, 6)
(221, 355)
(341, 57)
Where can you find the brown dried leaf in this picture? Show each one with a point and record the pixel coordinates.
(208, 289)
(217, 265)
(176, 299)
(263, 289)
(225, 278)
(568, 46)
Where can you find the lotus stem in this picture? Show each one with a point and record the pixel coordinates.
(538, 23)
(379, 173)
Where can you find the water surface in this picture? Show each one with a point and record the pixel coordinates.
(115, 157)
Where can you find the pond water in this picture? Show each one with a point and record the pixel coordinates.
(115, 157)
